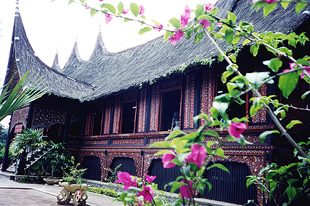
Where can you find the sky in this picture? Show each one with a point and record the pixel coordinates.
(55, 26)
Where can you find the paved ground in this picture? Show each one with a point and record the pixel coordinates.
(22, 194)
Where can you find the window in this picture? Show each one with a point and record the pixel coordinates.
(170, 107)
(97, 117)
(128, 117)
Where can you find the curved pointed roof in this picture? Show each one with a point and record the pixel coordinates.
(56, 82)
(114, 72)
(56, 63)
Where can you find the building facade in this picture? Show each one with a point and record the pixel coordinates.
(109, 109)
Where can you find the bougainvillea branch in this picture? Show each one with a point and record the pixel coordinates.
(255, 91)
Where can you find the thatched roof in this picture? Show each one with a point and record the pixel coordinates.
(115, 72)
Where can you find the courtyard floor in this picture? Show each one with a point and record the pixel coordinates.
(14, 193)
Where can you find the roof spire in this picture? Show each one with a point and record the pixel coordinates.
(100, 25)
(17, 7)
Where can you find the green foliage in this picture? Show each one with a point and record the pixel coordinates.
(287, 83)
(2, 150)
(175, 22)
(75, 174)
(113, 173)
(19, 96)
(144, 30)
(107, 192)
(30, 138)
(134, 8)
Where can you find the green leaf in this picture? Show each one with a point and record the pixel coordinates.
(110, 7)
(274, 64)
(174, 134)
(219, 152)
(258, 5)
(269, 8)
(175, 22)
(225, 75)
(134, 8)
(229, 35)
(198, 37)
(254, 109)
(144, 29)
(263, 135)
(214, 11)
(300, 6)
(200, 116)
(189, 33)
(231, 16)
(257, 78)
(162, 144)
(93, 12)
(246, 42)
(287, 83)
(161, 152)
(292, 123)
(211, 133)
(220, 166)
(199, 10)
(221, 107)
(285, 4)
(120, 7)
(167, 35)
(155, 22)
(291, 192)
(305, 94)
(236, 40)
(254, 49)
(209, 18)
(303, 62)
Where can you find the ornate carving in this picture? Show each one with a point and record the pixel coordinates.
(43, 117)
(189, 101)
(20, 116)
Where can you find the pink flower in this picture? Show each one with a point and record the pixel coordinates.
(270, 1)
(127, 179)
(209, 6)
(100, 0)
(108, 18)
(125, 11)
(286, 70)
(141, 10)
(166, 160)
(303, 73)
(205, 23)
(177, 36)
(150, 178)
(185, 16)
(158, 27)
(293, 66)
(198, 155)
(87, 8)
(267, 1)
(235, 129)
(186, 191)
(147, 194)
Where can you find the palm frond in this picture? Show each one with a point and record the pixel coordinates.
(19, 96)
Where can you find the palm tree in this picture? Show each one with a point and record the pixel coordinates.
(30, 139)
(21, 95)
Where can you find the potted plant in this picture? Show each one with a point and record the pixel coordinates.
(74, 186)
(58, 157)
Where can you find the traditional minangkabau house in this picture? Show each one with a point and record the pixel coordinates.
(109, 108)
